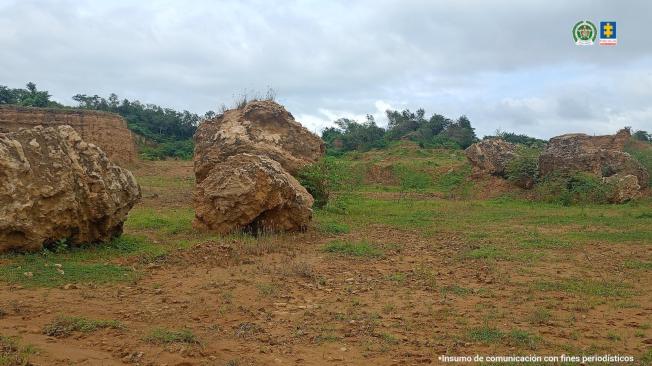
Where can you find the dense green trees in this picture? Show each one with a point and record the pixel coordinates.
(518, 139)
(29, 97)
(149, 120)
(436, 131)
(351, 135)
(642, 136)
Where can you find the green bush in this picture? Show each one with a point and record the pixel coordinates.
(443, 142)
(643, 155)
(182, 149)
(576, 188)
(323, 178)
(524, 167)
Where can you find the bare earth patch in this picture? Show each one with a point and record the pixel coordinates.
(388, 280)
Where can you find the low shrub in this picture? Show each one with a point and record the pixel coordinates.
(575, 188)
(323, 178)
(180, 149)
(523, 170)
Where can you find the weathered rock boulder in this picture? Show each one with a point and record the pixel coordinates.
(599, 155)
(625, 187)
(261, 128)
(252, 193)
(490, 156)
(54, 186)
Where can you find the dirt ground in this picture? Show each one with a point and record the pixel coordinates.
(439, 288)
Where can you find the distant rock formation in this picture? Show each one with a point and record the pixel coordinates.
(251, 193)
(243, 165)
(107, 130)
(490, 156)
(602, 156)
(55, 186)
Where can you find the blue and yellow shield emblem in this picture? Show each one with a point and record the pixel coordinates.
(608, 34)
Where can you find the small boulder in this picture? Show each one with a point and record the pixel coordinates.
(625, 187)
(252, 193)
(55, 186)
(491, 156)
(261, 128)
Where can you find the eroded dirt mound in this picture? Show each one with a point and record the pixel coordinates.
(599, 155)
(253, 193)
(260, 128)
(54, 186)
(490, 156)
(107, 130)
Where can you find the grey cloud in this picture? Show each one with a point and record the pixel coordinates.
(337, 55)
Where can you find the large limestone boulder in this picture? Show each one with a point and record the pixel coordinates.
(55, 186)
(599, 155)
(261, 128)
(252, 193)
(490, 156)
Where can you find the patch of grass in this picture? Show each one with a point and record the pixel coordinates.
(397, 277)
(14, 354)
(540, 316)
(354, 249)
(515, 338)
(43, 273)
(545, 243)
(636, 264)
(411, 179)
(267, 289)
(389, 338)
(455, 181)
(456, 290)
(169, 221)
(646, 358)
(643, 236)
(522, 339)
(84, 264)
(334, 228)
(587, 287)
(488, 252)
(388, 308)
(326, 337)
(167, 336)
(485, 334)
(64, 326)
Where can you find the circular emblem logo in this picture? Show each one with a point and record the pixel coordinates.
(584, 33)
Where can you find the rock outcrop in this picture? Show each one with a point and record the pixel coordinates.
(625, 188)
(602, 156)
(107, 130)
(490, 156)
(261, 128)
(55, 186)
(252, 193)
(244, 161)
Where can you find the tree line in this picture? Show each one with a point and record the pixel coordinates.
(434, 131)
(168, 132)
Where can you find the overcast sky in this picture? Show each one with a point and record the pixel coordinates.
(509, 65)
